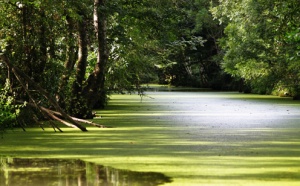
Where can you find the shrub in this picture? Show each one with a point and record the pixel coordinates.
(9, 110)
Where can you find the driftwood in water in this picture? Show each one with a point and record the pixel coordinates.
(59, 115)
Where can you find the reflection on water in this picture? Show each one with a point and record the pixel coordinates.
(60, 172)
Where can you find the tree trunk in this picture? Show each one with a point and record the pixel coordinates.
(70, 61)
(43, 46)
(78, 106)
(94, 90)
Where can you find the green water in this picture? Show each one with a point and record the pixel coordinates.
(194, 138)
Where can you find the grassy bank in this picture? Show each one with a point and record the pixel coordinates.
(196, 138)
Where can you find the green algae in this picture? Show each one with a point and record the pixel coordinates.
(196, 138)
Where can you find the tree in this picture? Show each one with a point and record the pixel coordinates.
(261, 43)
(64, 57)
(41, 50)
(67, 50)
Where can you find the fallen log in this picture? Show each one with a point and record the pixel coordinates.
(75, 119)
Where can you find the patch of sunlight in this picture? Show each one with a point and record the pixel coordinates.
(30, 169)
(193, 143)
(139, 114)
(282, 142)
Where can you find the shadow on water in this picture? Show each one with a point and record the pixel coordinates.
(46, 172)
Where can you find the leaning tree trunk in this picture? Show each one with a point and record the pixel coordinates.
(94, 90)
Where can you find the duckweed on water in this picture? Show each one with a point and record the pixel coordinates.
(194, 138)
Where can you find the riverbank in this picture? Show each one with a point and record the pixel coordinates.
(195, 138)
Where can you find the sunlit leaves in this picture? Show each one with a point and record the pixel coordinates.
(259, 35)
(8, 109)
(190, 44)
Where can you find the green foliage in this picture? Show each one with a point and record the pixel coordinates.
(9, 110)
(141, 39)
(262, 42)
(136, 36)
(189, 58)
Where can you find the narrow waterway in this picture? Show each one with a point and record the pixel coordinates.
(184, 138)
(237, 124)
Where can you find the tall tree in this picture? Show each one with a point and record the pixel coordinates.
(78, 106)
(95, 89)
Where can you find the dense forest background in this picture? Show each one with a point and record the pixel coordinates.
(62, 58)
